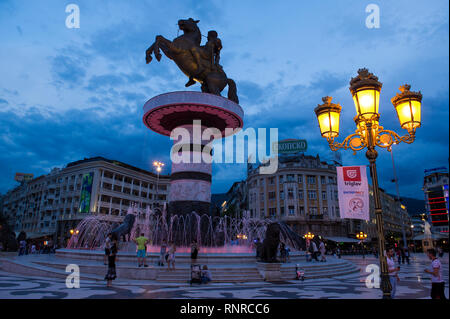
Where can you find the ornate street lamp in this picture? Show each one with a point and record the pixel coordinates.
(309, 235)
(365, 90)
(361, 235)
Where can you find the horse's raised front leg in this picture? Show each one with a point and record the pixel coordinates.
(167, 47)
(148, 54)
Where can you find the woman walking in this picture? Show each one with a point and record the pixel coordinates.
(194, 251)
(171, 258)
(111, 274)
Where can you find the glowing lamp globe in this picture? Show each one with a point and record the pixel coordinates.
(408, 107)
(365, 90)
(328, 115)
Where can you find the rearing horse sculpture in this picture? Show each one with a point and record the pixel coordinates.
(193, 60)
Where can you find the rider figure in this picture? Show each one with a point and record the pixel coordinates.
(212, 48)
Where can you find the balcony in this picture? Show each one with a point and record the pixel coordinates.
(315, 217)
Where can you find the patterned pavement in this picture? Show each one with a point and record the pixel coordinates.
(414, 284)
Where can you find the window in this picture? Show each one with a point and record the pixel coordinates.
(322, 180)
(330, 180)
(300, 194)
(262, 213)
(311, 180)
(325, 210)
(290, 193)
(271, 195)
(291, 210)
(282, 211)
(272, 180)
(290, 178)
(261, 196)
(313, 210)
(337, 212)
(281, 178)
(312, 195)
(272, 212)
(281, 195)
(324, 195)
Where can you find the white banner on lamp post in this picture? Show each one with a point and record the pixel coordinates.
(353, 192)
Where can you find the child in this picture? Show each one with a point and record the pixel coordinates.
(206, 275)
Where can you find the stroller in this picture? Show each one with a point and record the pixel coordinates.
(299, 273)
(196, 274)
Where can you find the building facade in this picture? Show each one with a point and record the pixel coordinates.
(435, 188)
(55, 203)
(302, 193)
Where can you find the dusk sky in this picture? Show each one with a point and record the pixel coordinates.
(67, 94)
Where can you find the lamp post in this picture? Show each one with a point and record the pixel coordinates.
(158, 166)
(365, 89)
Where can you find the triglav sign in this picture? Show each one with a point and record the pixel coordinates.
(353, 192)
(289, 146)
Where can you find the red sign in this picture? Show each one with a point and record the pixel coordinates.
(352, 174)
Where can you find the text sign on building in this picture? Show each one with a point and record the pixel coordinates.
(86, 189)
(289, 146)
(23, 177)
(353, 192)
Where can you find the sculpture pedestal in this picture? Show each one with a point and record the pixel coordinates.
(270, 271)
(190, 186)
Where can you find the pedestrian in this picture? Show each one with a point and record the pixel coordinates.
(162, 253)
(437, 281)
(171, 256)
(399, 256)
(393, 271)
(440, 252)
(315, 251)
(22, 247)
(194, 251)
(107, 248)
(402, 252)
(112, 258)
(258, 246)
(283, 256)
(288, 250)
(206, 275)
(338, 252)
(141, 243)
(322, 251)
(33, 249)
(407, 255)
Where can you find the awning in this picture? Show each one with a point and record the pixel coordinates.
(38, 235)
(433, 236)
(343, 239)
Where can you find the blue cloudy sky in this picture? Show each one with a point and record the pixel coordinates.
(66, 94)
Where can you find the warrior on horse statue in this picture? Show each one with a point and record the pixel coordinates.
(199, 63)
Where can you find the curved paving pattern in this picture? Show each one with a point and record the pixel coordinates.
(413, 285)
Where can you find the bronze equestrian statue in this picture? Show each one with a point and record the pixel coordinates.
(199, 63)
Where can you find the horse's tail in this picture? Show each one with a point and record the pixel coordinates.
(232, 91)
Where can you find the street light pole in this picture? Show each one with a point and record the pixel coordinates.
(372, 155)
(405, 243)
(365, 89)
(158, 166)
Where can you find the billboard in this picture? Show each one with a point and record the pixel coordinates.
(86, 191)
(353, 191)
(290, 146)
(23, 177)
